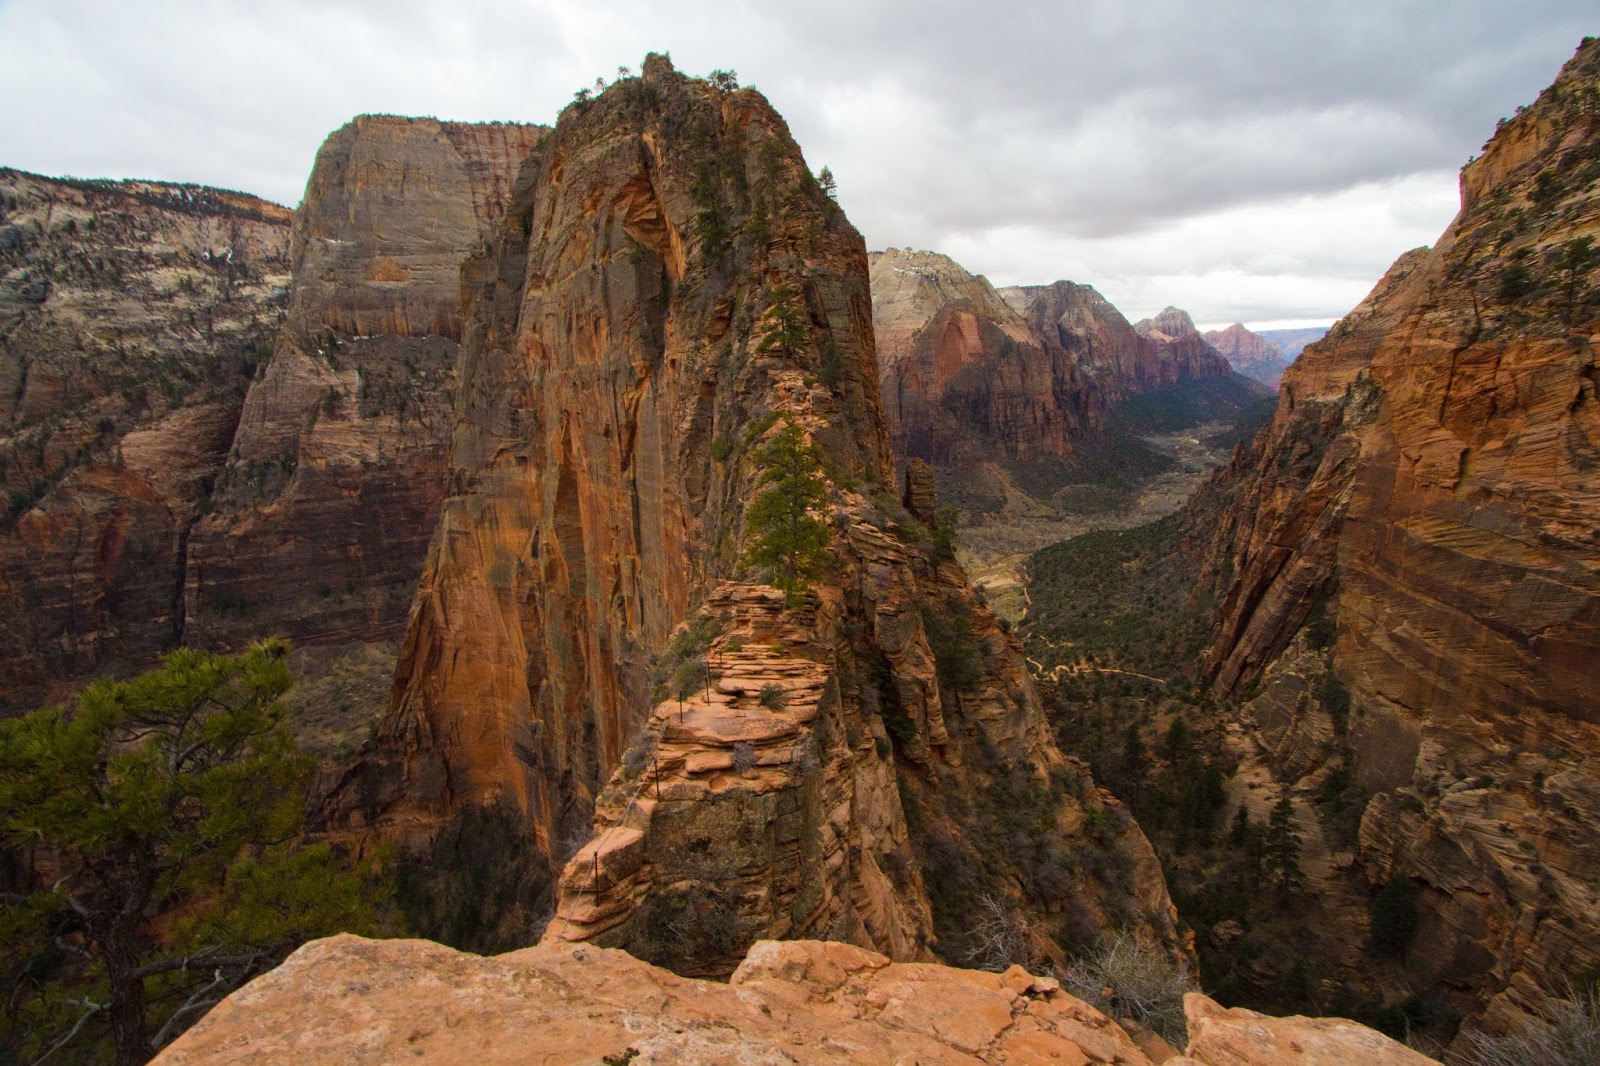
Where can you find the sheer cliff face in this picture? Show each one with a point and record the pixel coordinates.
(1249, 353)
(1181, 353)
(669, 282)
(323, 514)
(1432, 482)
(132, 315)
(965, 377)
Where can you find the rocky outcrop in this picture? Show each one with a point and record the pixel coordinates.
(322, 516)
(1240, 1037)
(1249, 353)
(132, 315)
(669, 290)
(1430, 485)
(346, 999)
(1181, 353)
(965, 378)
(1079, 321)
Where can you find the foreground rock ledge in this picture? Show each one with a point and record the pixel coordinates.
(351, 1000)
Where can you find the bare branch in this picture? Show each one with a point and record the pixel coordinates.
(94, 1008)
(194, 1003)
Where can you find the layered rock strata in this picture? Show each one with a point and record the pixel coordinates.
(1431, 486)
(346, 999)
(1182, 354)
(322, 516)
(1249, 353)
(669, 289)
(965, 377)
(132, 316)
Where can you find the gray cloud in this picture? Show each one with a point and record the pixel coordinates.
(1207, 154)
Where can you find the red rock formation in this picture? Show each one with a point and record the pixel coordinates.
(131, 316)
(1079, 321)
(1249, 353)
(669, 280)
(965, 378)
(1181, 353)
(1430, 482)
(332, 488)
(345, 999)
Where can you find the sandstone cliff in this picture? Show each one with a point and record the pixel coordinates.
(965, 378)
(1249, 353)
(322, 515)
(1181, 353)
(670, 284)
(1430, 486)
(132, 316)
(346, 999)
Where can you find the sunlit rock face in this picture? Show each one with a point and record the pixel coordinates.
(322, 516)
(669, 288)
(1431, 482)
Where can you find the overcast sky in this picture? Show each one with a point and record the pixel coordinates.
(1260, 161)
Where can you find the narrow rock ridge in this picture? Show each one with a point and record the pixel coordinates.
(1430, 484)
(322, 516)
(670, 285)
(347, 999)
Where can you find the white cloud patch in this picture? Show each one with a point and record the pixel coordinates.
(1258, 160)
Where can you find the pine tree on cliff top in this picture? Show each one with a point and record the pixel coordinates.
(789, 539)
(151, 838)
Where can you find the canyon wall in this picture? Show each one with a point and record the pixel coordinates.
(1426, 503)
(965, 377)
(228, 420)
(669, 292)
(132, 317)
(322, 515)
(1182, 354)
(1249, 353)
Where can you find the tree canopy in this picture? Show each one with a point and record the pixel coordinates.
(789, 537)
(149, 842)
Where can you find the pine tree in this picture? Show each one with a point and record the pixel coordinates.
(783, 325)
(789, 538)
(830, 187)
(1282, 848)
(176, 796)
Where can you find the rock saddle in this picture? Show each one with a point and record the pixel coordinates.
(321, 518)
(132, 315)
(1249, 353)
(1425, 506)
(670, 286)
(350, 1000)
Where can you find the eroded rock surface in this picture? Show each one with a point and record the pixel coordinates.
(1430, 485)
(1222, 1037)
(669, 288)
(346, 999)
(322, 516)
(132, 315)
